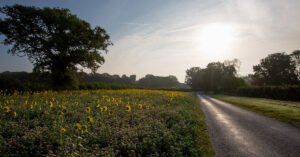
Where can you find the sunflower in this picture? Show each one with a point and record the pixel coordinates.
(98, 105)
(140, 106)
(62, 130)
(14, 114)
(6, 109)
(88, 109)
(84, 127)
(61, 113)
(77, 126)
(51, 104)
(104, 108)
(90, 119)
(128, 108)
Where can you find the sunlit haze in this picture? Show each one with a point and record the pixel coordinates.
(167, 37)
(216, 39)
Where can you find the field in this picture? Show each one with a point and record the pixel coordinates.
(103, 123)
(286, 111)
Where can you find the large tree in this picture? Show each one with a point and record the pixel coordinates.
(193, 77)
(296, 59)
(276, 69)
(54, 40)
(217, 76)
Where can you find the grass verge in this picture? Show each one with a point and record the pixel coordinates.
(286, 111)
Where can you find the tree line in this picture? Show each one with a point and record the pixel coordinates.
(276, 76)
(23, 81)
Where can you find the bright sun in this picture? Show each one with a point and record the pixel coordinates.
(216, 39)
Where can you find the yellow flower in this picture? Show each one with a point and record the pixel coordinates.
(98, 105)
(90, 119)
(6, 109)
(61, 113)
(77, 126)
(104, 108)
(88, 109)
(62, 130)
(140, 106)
(51, 104)
(14, 114)
(84, 127)
(128, 108)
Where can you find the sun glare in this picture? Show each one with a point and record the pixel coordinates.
(216, 39)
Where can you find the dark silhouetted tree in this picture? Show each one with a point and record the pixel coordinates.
(151, 81)
(276, 69)
(296, 59)
(193, 77)
(216, 76)
(54, 40)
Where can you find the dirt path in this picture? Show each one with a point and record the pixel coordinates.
(236, 132)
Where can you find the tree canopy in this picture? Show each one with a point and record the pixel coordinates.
(277, 69)
(151, 81)
(55, 40)
(217, 76)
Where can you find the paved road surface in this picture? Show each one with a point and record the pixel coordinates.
(236, 132)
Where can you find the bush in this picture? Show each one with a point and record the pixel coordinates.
(273, 92)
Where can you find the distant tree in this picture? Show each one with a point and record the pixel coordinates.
(217, 76)
(193, 78)
(54, 40)
(296, 59)
(132, 79)
(151, 81)
(276, 69)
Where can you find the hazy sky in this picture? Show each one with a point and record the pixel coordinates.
(166, 37)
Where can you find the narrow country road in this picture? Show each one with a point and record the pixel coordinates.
(236, 132)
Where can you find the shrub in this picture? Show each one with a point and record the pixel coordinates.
(273, 92)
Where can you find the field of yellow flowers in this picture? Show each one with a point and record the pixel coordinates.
(102, 123)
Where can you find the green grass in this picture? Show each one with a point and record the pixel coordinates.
(286, 111)
(124, 123)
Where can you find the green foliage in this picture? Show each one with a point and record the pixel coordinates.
(277, 69)
(159, 123)
(285, 111)
(216, 77)
(54, 40)
(273, 92)
(158, 82)
(107, 78)
(23, 81)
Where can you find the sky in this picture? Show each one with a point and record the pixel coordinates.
(166, 37)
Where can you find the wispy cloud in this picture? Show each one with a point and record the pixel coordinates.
(134, 23)
(186, 28)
